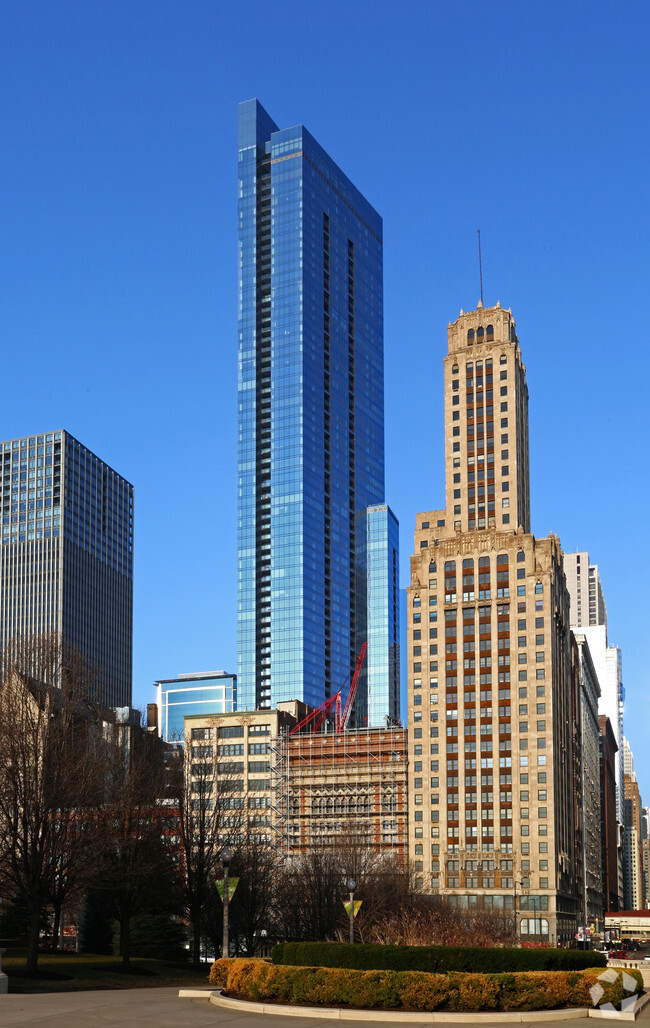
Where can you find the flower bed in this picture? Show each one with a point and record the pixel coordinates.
(415, 990)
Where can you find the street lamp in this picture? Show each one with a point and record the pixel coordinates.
(225, 857)
(351, 886)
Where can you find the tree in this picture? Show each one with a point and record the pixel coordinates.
(427, 921)
(198, 826)
(137, 824)
(253, 910)
(50, 776)
(312, 889)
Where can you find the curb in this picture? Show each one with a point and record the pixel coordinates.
(217, 998)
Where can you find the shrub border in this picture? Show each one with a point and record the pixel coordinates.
(416, 991)
(484, 959)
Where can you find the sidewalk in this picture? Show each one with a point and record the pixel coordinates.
(136, 1008)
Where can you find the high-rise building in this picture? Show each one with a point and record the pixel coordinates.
(66, 560)
(588, 816)
(585, 591)
(202, 694)
(491, 797)
(311, 431)
(612, 890)
(633, 889)
(589, 617)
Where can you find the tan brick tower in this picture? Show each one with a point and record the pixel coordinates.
(490, 720)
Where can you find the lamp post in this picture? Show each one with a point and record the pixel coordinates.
(226, 857)
(351, 886)
(516, 883)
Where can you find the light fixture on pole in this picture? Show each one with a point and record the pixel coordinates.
(225, 857)
(351, 886)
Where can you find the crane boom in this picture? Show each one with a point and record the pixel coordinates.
(342, 720)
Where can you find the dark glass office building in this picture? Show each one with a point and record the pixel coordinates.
(66, 560)
(311, 424)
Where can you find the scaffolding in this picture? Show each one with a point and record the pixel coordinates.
(331, 788)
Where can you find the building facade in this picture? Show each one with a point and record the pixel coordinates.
(491, 818)
(296, 792)
(633, 891)
(343, 790)
(645, 855)
(66, 561)
(588, 816)
(310, 425)
(585, 591)
(609, 820)
(205, 693)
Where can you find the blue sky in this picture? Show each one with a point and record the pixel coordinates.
(118, 263)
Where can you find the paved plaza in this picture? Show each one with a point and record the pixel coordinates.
(132, 1008)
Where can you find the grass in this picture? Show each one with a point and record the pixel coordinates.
(75, 972)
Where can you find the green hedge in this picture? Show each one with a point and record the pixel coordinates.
(438, 959)
(415, 990)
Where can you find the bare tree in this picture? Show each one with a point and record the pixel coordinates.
(137, 824)
(49, 775)
(429, 921)
(253, 912)
(198, 826)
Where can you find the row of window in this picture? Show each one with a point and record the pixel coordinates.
(231, 731)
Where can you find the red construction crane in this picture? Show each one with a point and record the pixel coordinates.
(341, 717)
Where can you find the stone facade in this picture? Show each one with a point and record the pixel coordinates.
(491, 815)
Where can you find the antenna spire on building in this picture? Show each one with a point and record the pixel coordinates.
(480, 264)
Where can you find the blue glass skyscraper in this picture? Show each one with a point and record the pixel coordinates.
(310, 423)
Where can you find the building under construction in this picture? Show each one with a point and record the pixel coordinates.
(332, 788)
(297, 789)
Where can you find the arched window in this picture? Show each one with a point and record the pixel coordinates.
(503, 359)
(454, 370)
(490, 333)
(479, 335)
(470, 336)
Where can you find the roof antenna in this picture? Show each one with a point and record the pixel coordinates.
(480, 264)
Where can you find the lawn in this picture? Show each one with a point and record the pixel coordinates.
(73, 972)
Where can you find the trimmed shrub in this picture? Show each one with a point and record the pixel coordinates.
(473, 992)
(440, 959)
(414, 990)
(219, 973)
(421, 991)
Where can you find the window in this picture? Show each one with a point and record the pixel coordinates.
(201, 733)
(230, 732)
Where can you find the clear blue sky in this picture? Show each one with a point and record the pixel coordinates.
(118, 277)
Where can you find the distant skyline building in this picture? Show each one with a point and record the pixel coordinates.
(312, 585)
(589, 616)
(585, 591)
(200, 694)
(66, 560)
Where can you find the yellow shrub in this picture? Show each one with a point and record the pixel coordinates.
(415, 990)
(219, 973)
(473, 991)
(419, 990)
(533, 990)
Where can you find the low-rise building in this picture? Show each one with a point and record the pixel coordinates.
(296, 791)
